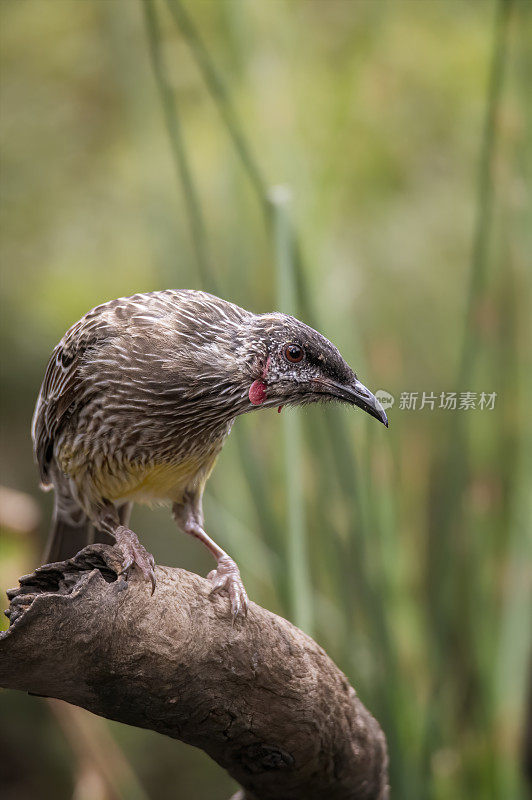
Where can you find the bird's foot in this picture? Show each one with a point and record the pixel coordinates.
(226, 579)
(135, 555)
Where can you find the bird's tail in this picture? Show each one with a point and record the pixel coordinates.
(71, 531)
(68, 535)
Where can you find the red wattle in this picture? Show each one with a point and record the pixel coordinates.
(279, 409)
(257, 393)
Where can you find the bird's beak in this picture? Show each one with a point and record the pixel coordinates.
(360, 396)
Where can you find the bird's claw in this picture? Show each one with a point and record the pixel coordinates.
(135, 555)
(226, 579)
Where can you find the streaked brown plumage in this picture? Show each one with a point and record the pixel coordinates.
(137, 401)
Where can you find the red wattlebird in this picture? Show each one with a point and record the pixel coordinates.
(139, 396)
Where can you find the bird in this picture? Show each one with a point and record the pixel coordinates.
(138, 398)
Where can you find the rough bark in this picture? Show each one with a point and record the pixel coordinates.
(260, 697)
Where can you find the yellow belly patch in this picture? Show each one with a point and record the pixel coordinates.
(158, 482)
(166, 481)
(143, 483)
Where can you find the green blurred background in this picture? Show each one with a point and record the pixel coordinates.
(141, 142)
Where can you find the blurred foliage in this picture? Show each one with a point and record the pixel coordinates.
(403, 133)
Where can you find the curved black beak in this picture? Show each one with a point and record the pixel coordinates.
(366, 400)
(358, 395)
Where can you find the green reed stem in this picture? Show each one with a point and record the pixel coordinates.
(457, 456)
(220, 95)
(300, 591)
(448, 620)
(485, 191)
(177, 143)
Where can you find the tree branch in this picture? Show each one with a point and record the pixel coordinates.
(261, 698)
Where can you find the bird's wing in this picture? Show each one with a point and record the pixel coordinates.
(66, 383)
(62, 387)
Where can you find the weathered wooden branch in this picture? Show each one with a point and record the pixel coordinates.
(260, 697)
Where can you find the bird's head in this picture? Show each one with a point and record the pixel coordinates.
(237, 361)
(289, 363)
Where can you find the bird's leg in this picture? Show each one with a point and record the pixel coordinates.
(134, 553)
(226, 577)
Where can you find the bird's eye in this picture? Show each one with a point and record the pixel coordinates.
(293, 353)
